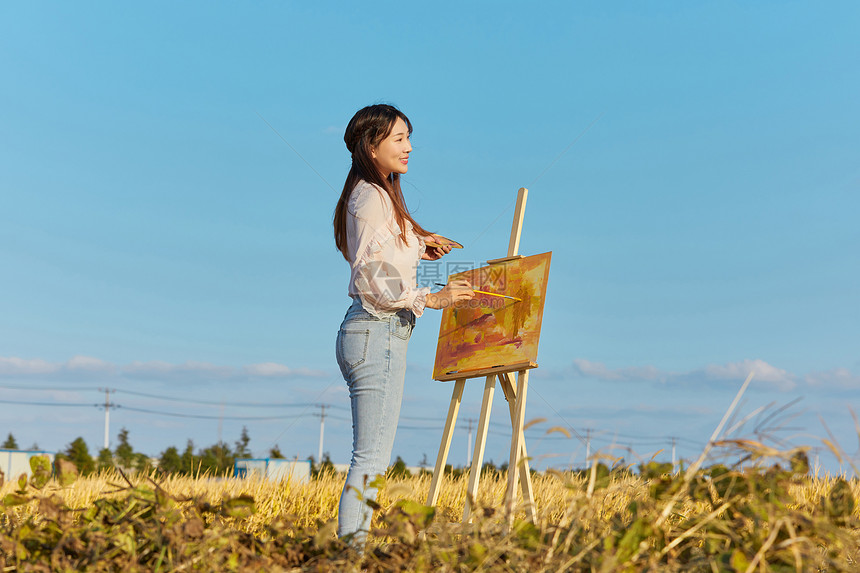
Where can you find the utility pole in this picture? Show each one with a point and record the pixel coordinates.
(673, 454)
(220, 438)
(220, 422)
(322, 431)
(817, 461)
(469, 444)
(107, 406)
(588, 448)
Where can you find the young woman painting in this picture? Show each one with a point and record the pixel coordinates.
(383, 244)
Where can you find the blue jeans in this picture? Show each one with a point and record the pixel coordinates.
(371, 353)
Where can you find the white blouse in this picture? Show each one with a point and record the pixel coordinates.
(384, 267)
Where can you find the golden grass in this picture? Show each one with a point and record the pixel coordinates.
(757, 519)
(316, 501)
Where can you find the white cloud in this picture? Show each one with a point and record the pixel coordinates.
(730, 372)
(146, 367)
(838, 378)
(89, 364)
(588, 369)
(311, 373)
(156, 370)
(276, 370)
(160, 369)
(763, 372)
(267, 369)
(194, 371)
(13, 366)
(207, 368)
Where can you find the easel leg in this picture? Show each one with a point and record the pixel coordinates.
(480, 443)
(516, 442)
(447, 434)
(507, 382)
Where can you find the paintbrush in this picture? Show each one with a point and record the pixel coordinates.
(489, 293)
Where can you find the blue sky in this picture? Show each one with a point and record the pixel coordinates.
(168, 175)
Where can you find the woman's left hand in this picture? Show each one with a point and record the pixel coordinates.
(435, 253)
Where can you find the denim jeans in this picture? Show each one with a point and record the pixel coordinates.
(371, 353)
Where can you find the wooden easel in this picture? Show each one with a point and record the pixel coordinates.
(515, 394)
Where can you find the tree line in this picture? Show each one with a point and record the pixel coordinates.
(217, 459)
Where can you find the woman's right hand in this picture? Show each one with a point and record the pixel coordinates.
(454, 292)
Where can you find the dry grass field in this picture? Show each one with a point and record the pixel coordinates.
(765, 518)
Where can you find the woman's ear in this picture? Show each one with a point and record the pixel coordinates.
(373, 152)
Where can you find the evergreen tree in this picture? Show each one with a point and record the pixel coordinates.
(453, 472)
(105, 459)
(399, 470)
(489, 468)
(141, 462)
(124, 452)
(189, 460)
(423, 464)
(242, 451)
(10, 443)
(217, 459)
(325, 466)
(275, 453)
(78, 453)
(170, 462)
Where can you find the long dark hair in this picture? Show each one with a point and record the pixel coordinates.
(365, 131)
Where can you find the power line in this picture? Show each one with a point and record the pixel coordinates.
(647, 441)
(203, 416)
(606, 436)
(146, 411)
(51, 388)
(422, 428)
(216, 403)
(26, 403)
(164, 397)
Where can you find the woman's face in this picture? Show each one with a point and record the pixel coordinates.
(392, 153)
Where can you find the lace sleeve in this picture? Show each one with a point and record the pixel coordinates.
(383, 269)
(383, 286)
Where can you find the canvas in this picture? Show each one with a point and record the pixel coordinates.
(490, 331)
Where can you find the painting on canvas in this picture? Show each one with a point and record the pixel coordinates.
(491, 331)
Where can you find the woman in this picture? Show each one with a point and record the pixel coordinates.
(383, 244)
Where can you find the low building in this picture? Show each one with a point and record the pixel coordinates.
(13, 463)
(414, 470)
(274, 469)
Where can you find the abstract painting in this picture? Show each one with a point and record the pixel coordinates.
(491, 331)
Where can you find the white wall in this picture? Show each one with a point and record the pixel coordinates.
(13, 463)
(297, 471)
